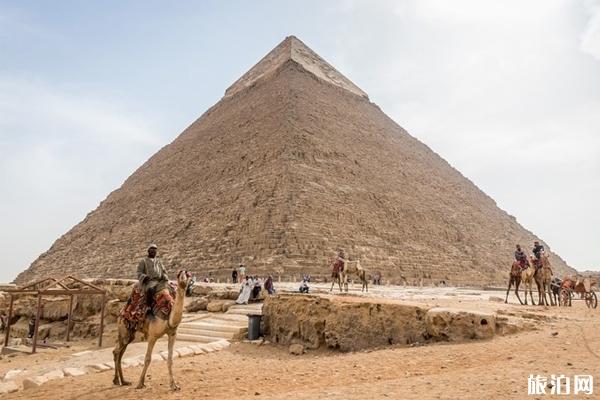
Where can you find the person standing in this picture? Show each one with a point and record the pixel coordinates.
(234, 276)
(242, 272)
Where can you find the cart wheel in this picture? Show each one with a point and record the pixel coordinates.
(591, 300)
(565, 297)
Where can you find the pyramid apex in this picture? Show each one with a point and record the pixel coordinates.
(292, 48)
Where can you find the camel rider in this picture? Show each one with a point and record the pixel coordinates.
(152, 275)
(338, 265)
(537, 250)
(521, 257)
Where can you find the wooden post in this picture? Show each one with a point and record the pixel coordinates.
(37, 323)
(69, 319)
(10, 311)
(102, 320)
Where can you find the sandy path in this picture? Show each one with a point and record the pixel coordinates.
(487, 369)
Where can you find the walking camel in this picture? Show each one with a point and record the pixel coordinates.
(527, 278)
(153, 328)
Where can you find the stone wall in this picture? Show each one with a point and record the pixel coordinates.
(355, 323)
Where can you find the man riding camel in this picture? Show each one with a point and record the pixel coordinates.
(338, 264)
(521, 257)
(538, 249)
(152, 275)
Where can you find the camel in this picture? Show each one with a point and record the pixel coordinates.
(353, 268)
(543, 280)
(527, 278)
(335, 279)
(514, 278)
(153, 328)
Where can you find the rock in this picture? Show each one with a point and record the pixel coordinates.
(8, 387)
(197, 304)
(197, 349)
(296, 349)
(184, 351)
(110, 364)
(219, 305)
(457, 325)
(130, 362)
(12, 374)
(55, 374)
(341, 323)
(496, 299)
(33, 382)
(72, 371)
(98, 367)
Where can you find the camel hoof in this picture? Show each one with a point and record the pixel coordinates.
(140, 386)
(175, 387)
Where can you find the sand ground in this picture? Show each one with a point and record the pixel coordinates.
(492, 369)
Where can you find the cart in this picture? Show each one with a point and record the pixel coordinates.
(584, 288)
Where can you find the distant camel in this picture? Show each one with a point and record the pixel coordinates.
(543, 279)
(514, 278)
(354, 268)
(153, 328)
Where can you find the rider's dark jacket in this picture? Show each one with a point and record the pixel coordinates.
(537, 250)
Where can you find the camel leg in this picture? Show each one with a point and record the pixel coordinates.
(531, 293)
(151, 342)
(124, 338)
(510, 281)
(174, 386)
(525, 292)
(517, 284)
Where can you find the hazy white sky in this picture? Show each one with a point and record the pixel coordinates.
(508, 92)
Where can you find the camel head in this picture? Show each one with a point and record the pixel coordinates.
(183, 278)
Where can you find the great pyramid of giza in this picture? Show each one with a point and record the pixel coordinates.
(291, 164)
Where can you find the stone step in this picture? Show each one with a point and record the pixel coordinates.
(214, 326)
(207, 333)
(245, 310)
(231, 317)
(195, 338)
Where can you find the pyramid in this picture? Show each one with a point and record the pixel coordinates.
(291, 164)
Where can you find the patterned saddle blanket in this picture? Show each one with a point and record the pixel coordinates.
(137, 307)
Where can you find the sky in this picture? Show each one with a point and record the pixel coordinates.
(507, 92)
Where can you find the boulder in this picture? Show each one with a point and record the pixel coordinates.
(197, 304)
(296, 349)
(12, 374)
(456, 325)
(8, 387)
(54, 374)
(219, 305)
(33, 382)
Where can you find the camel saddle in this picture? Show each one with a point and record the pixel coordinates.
(338, 266)
(137, 307)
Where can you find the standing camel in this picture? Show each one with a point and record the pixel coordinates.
(514, 278)
(527, 278)
(543, 280)
(153, 328)
(354, 268)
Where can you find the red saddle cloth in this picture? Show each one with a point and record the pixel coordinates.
(338, 266)
(135, 311)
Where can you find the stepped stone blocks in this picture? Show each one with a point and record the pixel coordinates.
(291, 164)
